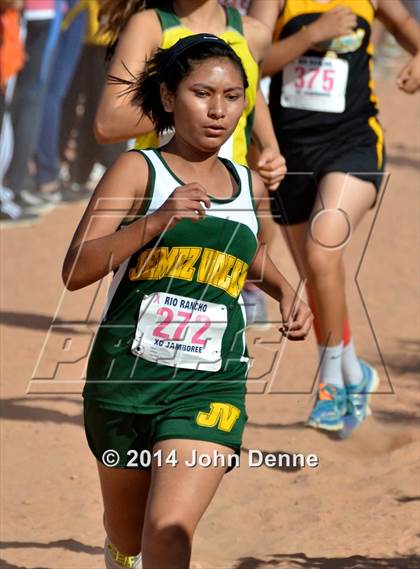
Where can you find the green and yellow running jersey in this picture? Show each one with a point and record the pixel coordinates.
(174, 325)
(173, 30)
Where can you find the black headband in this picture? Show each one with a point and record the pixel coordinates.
(190, 41)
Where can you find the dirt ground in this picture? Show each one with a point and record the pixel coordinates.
(358, 509)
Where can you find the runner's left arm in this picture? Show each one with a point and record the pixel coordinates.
(335, 22)
(406, 31)
(296, 315)
(271, 164)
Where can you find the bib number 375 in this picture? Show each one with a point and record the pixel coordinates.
(315, 84)
(179, 331)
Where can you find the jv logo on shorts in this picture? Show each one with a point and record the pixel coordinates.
(222, 415)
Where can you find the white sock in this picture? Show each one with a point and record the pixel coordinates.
(116, 560)
(330, 369)
(352, 372)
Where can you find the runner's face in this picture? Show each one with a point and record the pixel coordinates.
(208, 104)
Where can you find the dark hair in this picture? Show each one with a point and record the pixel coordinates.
(171, 66)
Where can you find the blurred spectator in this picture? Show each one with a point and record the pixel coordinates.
(11, 61)
(413, 6)
(11, 49)
(85, 91)
(39, 17)
(47, 156)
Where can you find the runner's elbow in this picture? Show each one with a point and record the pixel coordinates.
(102, 129)
(69, 274)
(69, 280)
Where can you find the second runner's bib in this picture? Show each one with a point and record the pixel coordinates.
(315, 84)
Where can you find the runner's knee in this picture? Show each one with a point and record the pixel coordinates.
(125, 534)
(319, 260)
(167, 544)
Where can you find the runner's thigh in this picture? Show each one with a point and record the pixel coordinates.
(341, 203)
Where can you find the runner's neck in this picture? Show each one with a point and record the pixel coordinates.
(193, 13)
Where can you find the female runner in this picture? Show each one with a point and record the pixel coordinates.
(166, 21)
(324, 112)
(166, 374)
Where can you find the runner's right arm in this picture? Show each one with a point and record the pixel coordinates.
(296, 315)
(116, 119)
(98, 247)
(336, 22)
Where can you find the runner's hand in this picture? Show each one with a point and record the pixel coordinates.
(271, 167)
(409, 78)
(336, 22)
(185, 202)
(297, 318)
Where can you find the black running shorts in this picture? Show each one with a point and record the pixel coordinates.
(359, 152)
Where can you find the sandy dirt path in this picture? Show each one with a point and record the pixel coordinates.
(358, 509)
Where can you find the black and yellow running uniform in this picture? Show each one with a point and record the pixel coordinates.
(173, 30)
(169, 359)
(324, 108)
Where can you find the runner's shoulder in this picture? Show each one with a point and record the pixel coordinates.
(258, 186)
(130, 170)
(145, 20)
(257, 35)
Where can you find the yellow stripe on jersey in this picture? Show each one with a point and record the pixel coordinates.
(376, 127)
(294, 8)
(371, 83)
(239, 44)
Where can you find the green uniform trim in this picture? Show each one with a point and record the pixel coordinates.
(234, 20)
(251, 191)
(248, 127)
(167, 16)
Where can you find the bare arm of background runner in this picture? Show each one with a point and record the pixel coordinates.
(400, 24)
(297, 317)
(116, 119)
(406, 30)
(271, 164)
(336, 22)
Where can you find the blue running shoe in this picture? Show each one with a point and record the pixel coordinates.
(329, 409)
(358, 396)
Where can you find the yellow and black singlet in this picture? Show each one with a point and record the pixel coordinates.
(329, 87)
(173, 30)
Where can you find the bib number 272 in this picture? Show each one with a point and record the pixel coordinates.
(179, 331)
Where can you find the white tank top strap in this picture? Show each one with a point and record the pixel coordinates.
(162, 181)
(240, 208)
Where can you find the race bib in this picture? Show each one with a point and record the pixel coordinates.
(179, 331)
(315, 84)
